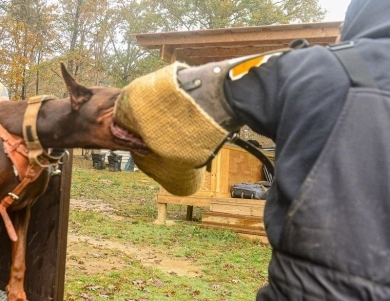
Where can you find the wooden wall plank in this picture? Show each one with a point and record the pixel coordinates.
(189, 201)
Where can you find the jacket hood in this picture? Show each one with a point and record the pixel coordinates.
(367, 19)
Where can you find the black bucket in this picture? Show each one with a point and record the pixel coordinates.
(114, 162)
(98, 161)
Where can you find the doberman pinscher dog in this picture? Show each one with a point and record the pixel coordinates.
(34, 134)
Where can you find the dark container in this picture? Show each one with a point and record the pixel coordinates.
(98, 161)
(114, 162)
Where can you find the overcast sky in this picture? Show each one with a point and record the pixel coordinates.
(336, 9)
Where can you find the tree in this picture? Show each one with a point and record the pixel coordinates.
(82, 24)
(96, 38)
(127, 60)
(207, 14)
(26, 40)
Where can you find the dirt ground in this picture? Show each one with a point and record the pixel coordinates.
(91, 255)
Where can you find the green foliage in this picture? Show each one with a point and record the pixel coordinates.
(206, 14)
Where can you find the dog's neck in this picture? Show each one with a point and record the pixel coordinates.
(11, 116)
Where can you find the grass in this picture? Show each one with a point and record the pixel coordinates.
(232, 268)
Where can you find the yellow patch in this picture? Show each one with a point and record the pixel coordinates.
(243, 68)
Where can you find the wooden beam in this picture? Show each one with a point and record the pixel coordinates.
(233, 220)
(203, 46)
(166, 53)
(189, 201)
(169, 54)
(224, 51)
(213, 54)
(248, 35)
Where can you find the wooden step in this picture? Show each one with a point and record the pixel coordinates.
(237, 206)
(257, 238)
(235, 229)
(233, 220)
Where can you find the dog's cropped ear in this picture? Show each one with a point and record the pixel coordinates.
(78, 93)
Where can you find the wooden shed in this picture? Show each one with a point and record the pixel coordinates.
(232, 165)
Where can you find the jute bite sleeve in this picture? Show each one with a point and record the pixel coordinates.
(179, 133)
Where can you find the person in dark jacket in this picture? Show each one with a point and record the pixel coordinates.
(327, 215)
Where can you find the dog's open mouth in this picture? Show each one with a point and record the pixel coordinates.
(136, 143)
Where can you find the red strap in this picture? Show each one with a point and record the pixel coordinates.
(7, 221)
(17, 152)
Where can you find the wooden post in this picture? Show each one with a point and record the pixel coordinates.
(190, 210)
(161, 213)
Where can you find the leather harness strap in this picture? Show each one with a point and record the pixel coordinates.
(36, 153)
(16, 150)
(255, 151)
(354, 64)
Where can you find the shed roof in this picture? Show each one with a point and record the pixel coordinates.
(203, 46)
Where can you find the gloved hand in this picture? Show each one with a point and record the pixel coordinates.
(179, 133)
(205, 84)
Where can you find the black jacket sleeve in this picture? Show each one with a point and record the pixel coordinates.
(295, 100)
